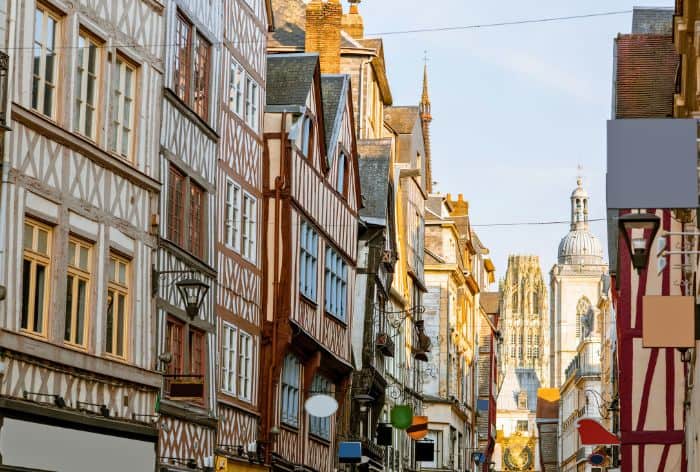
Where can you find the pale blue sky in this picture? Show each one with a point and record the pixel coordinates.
(515, 108)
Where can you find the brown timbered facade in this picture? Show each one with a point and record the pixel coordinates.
(189, 140)
(311, 184)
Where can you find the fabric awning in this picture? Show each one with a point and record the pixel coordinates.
(593, 433)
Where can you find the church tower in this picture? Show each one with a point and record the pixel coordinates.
(576, 286)
(426, 118)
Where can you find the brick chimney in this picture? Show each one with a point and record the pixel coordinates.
(323, 22)
(353, 23)
(460, 207)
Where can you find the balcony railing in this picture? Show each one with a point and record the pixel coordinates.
(586, 363)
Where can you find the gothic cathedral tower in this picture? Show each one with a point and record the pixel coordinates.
(524, 318)
(577, 282)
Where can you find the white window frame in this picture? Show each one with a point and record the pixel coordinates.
(320, 426)
(236, 86)
(290, 391)
(84, 101)
(308, 261)
(252, 95)
(249, 218)
(246, 352)
(340, 177)
(232, 215)
(122, 99)
(229, 352)
(40, 42)
(336, 285)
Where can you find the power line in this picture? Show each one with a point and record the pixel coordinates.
(503, 23)
(532, 223)
(384, 33)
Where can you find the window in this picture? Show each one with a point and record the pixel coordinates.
(235, 88)
(305, 135)
(196, 351)
(308, 255)
(230, 345)
(340, 182)
(44, 65)
(77, 289)
(290, 391)
(174, 344)
(191, 67)
(176, 206)
(436, 437)
(232, 215)
(249, 243)
(86, 86)
(512, 352)
(196, 220)
(35, 276)
(536, 352)
(514, 301)
(181, 67)
(320, 427)
(245, 366)
(251, 103)
(522, 426)
(522, 399)
(117, 310)
(336, 284)
(122, 119)
(201, 76)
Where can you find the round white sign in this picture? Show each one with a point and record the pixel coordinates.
(321, 405)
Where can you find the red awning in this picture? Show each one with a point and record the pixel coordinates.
(593, 433)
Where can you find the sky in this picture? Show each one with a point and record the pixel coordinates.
(516, 109)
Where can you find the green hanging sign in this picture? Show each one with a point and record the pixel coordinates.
(401, 416)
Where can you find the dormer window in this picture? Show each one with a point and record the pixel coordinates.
(305, 135)
(340, 181)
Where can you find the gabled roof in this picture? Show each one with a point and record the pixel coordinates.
(289, 78)
(402, 119)
(645, 76)
(333, 90)
(374, 158)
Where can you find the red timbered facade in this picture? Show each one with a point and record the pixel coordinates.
(311, 185)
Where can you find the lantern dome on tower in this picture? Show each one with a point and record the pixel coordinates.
(580, 246)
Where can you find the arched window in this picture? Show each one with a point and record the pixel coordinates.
(514, 302)
(582, 308)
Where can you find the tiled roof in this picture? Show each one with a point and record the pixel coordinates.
(489, 301)
(652, 20)
(402, 119)
(645, 76)
(289, 78)
(374, 176)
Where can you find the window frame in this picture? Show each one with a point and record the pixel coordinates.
(290, 391)
(335, 283)
(182, 59)
(197, 216)
(248, 226)
(192, 66)
(308, 257)
(78, 274)
(175, 336)
(232, 215)
(197, 337)
(320, 427)
(119, 98)
(41, 78)
(118, 288)
(246, 357)
(252, 105)
(82, 76)
(236, 87)
(341, 183)
(177, 202)
(36, 258)
(201, 59)
(229, 353)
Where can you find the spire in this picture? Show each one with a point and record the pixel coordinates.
(579, 206)
(426, 118)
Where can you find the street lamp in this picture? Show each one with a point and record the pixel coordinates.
(192, 292)
(639, 247)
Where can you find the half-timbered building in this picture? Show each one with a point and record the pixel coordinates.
(239, 255)
(79, 196)
(311, 184)
(187, 166)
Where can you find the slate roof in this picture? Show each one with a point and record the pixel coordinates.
(332, 89)
(289, 78)
(402, 119)
(490, 302)
(434, 204)
(652, 20)
(514, 381)
(374, 176)
(645, 76)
